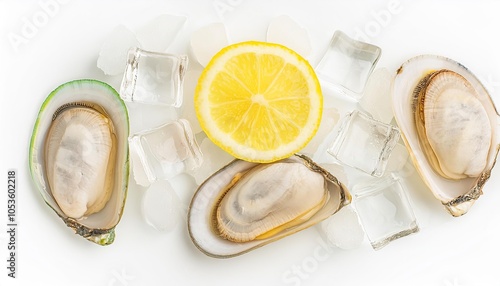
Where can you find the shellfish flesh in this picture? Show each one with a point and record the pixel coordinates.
(452, 124)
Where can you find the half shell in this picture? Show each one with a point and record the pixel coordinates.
(450, 126)
(247, 205)
(78, 157)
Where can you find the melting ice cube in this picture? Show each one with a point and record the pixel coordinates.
(161, 207)
(376, 99)
(113, 54)
(158, 34)
(285, 31)
(188, 111)
(343, 229)
(330, 117)
(214, 158)
(207, 41)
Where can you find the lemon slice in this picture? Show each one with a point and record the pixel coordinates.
(260, 102)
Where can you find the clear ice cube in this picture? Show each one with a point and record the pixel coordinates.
(113, 54)
(384, 210)
(348, 63)
(364, 143)
(163, 152)
(161, 207)
(376, 99)
(207, 41)
(153, 78)
(285, 31)
(158, 34)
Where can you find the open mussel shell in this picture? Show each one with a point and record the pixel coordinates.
(78, 157)
(450, 126)
(246, 205)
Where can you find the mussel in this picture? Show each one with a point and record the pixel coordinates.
(79, 157)
(450, 125)
(247, 205)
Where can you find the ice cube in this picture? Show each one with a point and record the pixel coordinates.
(348, 63)
(376, 99)
(158, 34)
(153, 78)
(364, 143)
(214, 158)
(343, 229)
(384, 210)
(164, 152)
(285, 31)
(113, 55)
(207, 41)
(161, 207)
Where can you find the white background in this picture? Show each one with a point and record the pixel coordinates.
(446, 252)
